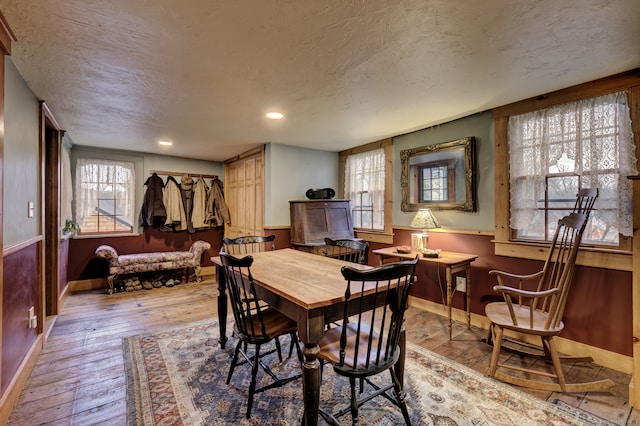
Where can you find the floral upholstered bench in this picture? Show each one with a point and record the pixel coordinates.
(139, 263)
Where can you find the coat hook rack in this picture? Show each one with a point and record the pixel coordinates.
(165, 173)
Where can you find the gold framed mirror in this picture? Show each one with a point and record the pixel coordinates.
(439, 176)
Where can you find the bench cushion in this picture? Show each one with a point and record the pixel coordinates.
(149, 262)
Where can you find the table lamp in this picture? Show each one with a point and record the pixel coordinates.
(424, 220)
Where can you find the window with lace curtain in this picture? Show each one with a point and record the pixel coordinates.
(555, 151)
(105, 196)
(364, 185)
(367, 176)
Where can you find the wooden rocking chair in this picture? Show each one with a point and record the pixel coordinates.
(539, 311)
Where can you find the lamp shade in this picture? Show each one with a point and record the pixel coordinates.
(424, 219)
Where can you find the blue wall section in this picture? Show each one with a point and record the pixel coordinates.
(21, 159)
(289, 172)
(481, 127)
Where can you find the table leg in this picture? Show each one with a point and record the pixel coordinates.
(468, 297)
(311, 383)
(222, 304)
(449, 297)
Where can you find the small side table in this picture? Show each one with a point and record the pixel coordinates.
(453, 263)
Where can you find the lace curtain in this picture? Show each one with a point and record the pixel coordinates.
(591, 138)
(66, 189)
(106, 186)
(365, 180)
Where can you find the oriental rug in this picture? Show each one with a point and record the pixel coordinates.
(178, 377)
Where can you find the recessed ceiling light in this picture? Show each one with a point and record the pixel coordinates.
(275, 115)
(165, 142)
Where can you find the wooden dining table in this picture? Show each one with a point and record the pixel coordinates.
(310, 289)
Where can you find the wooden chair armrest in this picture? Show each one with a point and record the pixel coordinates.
(525, 293)
(516, 276)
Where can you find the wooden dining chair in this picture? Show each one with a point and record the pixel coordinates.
(248, 244)
(368, 342)
(536, 306)
(254, 325)
(346, 249)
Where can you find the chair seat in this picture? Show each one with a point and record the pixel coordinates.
(498, 313)
(330, 348)
(275, 323)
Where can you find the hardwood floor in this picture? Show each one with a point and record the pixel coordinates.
(79, 377)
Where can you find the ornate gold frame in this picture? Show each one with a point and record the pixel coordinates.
(468, 146)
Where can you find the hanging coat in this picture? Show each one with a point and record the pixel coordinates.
(173, 204)
(217, 212)
(186, 191)
(199, 204)
(153, 212)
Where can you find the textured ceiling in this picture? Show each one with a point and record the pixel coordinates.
(123, 74)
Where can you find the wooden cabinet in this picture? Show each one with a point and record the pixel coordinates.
(313, 220)
(244, 194)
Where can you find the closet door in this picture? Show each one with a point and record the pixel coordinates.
(244, 192)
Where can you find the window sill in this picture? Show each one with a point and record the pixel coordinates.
(375, 237)
(89, 236)
(594, 257)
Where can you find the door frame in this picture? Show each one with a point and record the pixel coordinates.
(50, 145)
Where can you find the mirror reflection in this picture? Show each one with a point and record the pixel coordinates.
(439, 176)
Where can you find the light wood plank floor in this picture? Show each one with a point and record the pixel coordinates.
(79, 377)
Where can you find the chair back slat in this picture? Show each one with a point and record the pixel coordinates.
(249, 322)
(354, 251)
(248, 244)
(369, 338)
(585, 200)
(559, 265)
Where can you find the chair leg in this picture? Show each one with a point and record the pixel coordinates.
(495, 355)
(254, 374)
(489, 339)
(234, 361)
(354, 401)
(400, 396)
(559, 386)
(293, 344)
(557, 365)
(279, 348)
(296, 342)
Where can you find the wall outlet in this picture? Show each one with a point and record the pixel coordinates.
(461, 284)
(33, 319)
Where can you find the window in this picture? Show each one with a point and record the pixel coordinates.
(364, 186)
(366, 173)
(555, 151)
(362, 211)
(105, 196)
(434, 183)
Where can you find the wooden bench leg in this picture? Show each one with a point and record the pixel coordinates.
(110, 279)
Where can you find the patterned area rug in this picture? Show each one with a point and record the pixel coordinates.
(177, 377)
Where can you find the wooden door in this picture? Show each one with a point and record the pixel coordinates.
(244, 193)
